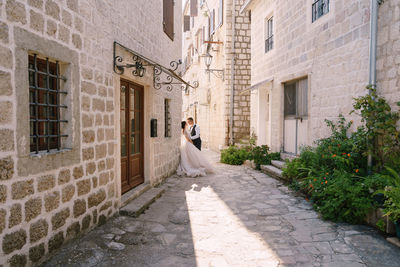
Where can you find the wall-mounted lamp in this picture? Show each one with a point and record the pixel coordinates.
(219, 73)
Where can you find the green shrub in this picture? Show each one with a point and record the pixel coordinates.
(261, 156)
(343, 197)
(234, 156)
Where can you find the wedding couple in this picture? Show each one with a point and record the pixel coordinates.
(193, 163)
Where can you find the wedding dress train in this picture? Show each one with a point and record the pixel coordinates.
(193, 163)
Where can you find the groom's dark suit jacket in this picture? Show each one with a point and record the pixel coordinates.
(197, 141)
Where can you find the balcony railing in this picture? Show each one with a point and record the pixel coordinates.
(319, 8)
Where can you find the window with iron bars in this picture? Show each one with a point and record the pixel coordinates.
(167, 116)
(45, 105)
(269, 34)
(319, 8)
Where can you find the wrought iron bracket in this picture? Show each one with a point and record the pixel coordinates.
(219, 73)
(163, 77)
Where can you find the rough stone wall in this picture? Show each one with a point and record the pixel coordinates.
(40, 210)
(388, 54)
(213, 116)
(242, 71)
(332, 52)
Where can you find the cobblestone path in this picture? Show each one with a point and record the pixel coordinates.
(237, 217)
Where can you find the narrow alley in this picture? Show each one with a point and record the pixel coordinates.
(237, 217)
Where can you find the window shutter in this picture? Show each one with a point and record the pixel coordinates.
(168, 18)
(186, 23)
(193, 8)
(220, 12)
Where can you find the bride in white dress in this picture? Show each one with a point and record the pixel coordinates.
(193, 163)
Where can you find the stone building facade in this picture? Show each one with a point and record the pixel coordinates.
(318, 62)
(388, 54)
(61, 115)
(210, 104)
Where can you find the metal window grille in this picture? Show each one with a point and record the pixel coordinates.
(269, 41)
(319, 8)
(167, 116)
(44, 105)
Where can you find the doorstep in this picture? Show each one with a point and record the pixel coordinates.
(394, 240)
(138, 205)
(134, 193)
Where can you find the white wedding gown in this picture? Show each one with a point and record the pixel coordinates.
(193, 163)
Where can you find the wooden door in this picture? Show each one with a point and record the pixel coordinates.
(132, 159)
(295, 116)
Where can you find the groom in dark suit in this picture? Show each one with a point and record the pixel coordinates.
(194, 133)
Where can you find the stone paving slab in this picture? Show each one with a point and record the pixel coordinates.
(237, 217)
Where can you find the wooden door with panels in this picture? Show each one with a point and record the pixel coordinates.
(132, 138)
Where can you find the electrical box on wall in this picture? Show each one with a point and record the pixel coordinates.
(153, 128)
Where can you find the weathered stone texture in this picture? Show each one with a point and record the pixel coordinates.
(78, 172)
(36, 3)
(106, 205)
(86, 222)
(79, 207)
(101, 151)
(18, 260)
(63, 34)
(103, 178)
(88, 136)
(6, 59)
(3, 214)
(66, 17)
(83, 187)
(33, 208)
(56, 241)
(96, 198)
(73, 5)
(19, 190)
(3, 193)
(73, 230)
(36, 21)
(67, 193)
(52, 201)
(15, 11)
(3, 33)
(38, 230)
(6, 139)
(51, 27)
(90, 168)
(46, 182)
(14, 241)
(5, 80)
(64, 176)
(6, 109)
(59, 218)
(15, 217)
(36, 252)
(88, 153)
(6, 168)
(52, 9)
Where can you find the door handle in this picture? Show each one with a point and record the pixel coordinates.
(299, 118)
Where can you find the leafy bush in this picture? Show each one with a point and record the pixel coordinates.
(261, 155)
(234, 156)
(237, 156)
(392, 194)
(380, 127)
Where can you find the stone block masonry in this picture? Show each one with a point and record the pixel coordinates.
(50, 198)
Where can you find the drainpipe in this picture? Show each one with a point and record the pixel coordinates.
(232, 73)
(372, 54)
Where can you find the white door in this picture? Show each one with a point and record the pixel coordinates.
(295, 116)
